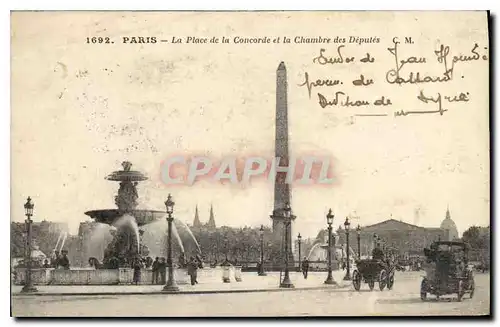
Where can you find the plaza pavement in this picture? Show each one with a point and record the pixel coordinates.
(251, 282)
(402, 300)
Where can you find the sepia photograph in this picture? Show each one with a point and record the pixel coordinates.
(250, 164)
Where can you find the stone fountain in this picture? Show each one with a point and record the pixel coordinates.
(126, 245)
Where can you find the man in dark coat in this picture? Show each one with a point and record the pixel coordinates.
(193, 270)
(162, 270)
(64, 261)
(305, 267)
(155, 271)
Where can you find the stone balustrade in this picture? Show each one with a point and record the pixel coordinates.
(83, 276)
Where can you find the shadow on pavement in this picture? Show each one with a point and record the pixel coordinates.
(80, 298)
(414, 300)
(352, 290)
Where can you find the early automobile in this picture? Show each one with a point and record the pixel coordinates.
(371, 271)
(447, 271)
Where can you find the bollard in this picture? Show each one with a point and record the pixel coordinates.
(237, 273)
(226, 273)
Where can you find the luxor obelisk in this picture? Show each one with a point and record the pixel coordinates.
(282, 194)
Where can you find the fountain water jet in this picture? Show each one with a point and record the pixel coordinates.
(177, 237)
(65, 235)
(180, 223)
(58, 241)
(99, 239)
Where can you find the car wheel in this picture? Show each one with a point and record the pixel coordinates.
(382, 279)
(390, 282)
(356, 280)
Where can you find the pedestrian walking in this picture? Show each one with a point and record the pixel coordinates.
(305, 267)
(193, 271)
(154, 270)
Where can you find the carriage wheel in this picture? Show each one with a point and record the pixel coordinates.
(472, 288)
(356, 280)
(382, 279)
(371, 284)
(460, 290)
(423, 290)
(390, 281)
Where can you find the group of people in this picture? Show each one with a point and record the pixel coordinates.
(58, 260)
(159, 270)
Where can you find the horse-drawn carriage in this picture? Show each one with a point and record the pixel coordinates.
(447, 271)
(371, 271)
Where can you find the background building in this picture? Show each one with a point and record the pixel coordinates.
(401, 237)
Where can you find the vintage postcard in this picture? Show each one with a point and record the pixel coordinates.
(250, 164)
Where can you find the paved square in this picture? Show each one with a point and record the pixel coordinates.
(404, 299)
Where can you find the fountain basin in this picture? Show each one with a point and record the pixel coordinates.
(109, 216)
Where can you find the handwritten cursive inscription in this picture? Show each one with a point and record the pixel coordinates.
(444, 51)
(438, 99)
(319, 82)
(393, 76)
(367, 59)
(362, 82)
(410, 69)
(339, 59)
(344, 100)
(341, 99)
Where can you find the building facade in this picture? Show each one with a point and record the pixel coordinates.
(401, 238)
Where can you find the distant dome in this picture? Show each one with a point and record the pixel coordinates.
(449, 225)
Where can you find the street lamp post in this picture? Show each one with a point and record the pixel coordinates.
(286, 283)
(217, 247)
(358, 231)
(348, 270)
(261, 267)
(341, 244)
(329, 220)
(226, 246)
(375, 240)
(299, 239)
(171, 286)
(28, 285)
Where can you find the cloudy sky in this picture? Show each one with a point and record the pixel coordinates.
(79, 110)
